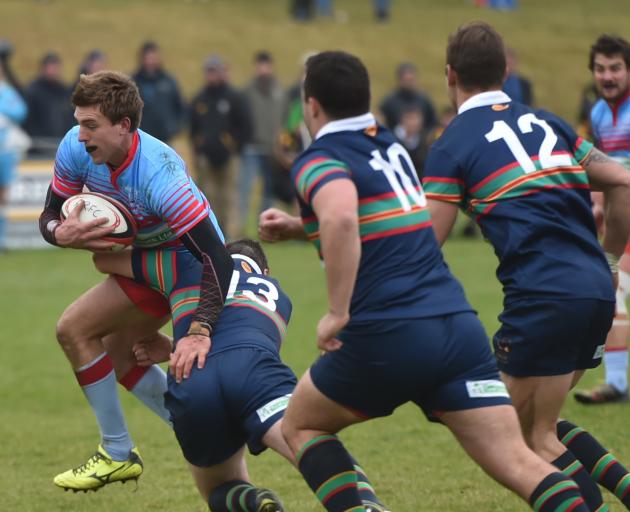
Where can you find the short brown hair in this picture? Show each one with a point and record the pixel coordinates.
(476, 52)
(115, 93)
(610, 45)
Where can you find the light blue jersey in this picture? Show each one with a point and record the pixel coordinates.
(152, 182)
(611, 127)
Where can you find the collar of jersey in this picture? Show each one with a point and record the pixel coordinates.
(484, 99)
(349, 124)
(130, 156)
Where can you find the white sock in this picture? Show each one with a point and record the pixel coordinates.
(616, 364)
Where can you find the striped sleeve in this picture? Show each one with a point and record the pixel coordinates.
(68, 178)
(442, 179)
(579, 146)
(310, 174)
(175, 199)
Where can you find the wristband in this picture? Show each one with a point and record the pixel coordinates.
(199, 329)
(613, 262)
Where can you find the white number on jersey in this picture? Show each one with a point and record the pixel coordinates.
(266, 295)
(502, 131)
(398, 179)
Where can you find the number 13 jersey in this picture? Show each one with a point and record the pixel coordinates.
(518, 172)
(401, 273)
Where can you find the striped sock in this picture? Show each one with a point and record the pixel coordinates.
(233, 496)
(329, 471)
(573, 469)
(148, 384)
(557, 493)
(604, 468)
(98, 381)
(366, 491)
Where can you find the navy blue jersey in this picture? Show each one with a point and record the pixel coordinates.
(256, 309)
(401, 273)
(518, 172)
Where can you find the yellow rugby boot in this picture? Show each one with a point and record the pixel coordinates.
(99, 471)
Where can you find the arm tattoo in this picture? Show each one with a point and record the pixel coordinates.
(596, 156)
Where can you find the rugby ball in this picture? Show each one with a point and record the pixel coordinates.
(96, 206)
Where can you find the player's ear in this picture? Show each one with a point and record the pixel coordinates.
(125, 125)
(451, 76)
(265, 272)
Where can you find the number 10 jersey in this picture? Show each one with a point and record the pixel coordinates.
(401, 273)
(518, 172)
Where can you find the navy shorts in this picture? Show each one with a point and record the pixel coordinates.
(552, 337)
(440, 363)
(234, 399)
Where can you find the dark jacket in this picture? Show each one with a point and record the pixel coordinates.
(400, 100)
(50, 112)
(220, 123)
(164, 110)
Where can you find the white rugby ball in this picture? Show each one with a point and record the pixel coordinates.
(97, 206)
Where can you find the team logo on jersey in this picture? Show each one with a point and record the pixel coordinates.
(371, 130)
(499, 108)
(246, 267)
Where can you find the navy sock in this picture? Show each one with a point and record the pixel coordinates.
(233, 496)
(329, 471)
(572, 468)
(557, 493)
(604, 468)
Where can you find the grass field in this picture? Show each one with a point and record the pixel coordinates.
(46, 426)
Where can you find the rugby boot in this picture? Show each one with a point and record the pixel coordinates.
(603, 394)
(267, 501)
(101, 470)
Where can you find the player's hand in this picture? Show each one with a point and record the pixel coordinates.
(327, 328)
(275, 225)
(152, 352)
(189, 348)
(83, 235)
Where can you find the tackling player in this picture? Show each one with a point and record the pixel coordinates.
(610, 120)
(398, 327)
(107, 153)
(214, 410)
(524, 175)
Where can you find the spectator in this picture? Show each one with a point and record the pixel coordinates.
(413, 135)
(407, 96)
(94, 61)
(50, 113)
(301, 10)
(163, 114)
(266, 99)
(517, 86)
(13, 141)
(220, 124)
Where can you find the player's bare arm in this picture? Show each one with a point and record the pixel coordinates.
(610, 177)
(443, 216)
(71, 232)
(276, 225)
(336, 205)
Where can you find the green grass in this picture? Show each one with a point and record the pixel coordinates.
(46, 426)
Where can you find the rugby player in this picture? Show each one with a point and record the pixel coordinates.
(107, 153)
(524, 176)
(398, 327)
(609, 61)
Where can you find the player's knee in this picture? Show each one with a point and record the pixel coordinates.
(66, 330)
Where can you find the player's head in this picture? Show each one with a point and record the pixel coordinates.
(336, 86)
(251, 249)
(108, 109)
(609, 61)
(475, 59)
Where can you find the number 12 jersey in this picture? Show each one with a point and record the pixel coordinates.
(518, 172)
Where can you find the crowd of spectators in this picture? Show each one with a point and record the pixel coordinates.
(238, 135)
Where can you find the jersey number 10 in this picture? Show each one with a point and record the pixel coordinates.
(502, 131)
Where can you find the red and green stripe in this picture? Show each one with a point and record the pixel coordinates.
(560, 487)
(380, 217)
(335, 485)
(184, 302)
(582, 149)
(315, 171)
(240, 300)
(623, 487)
(444, 189)
(159, 269)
